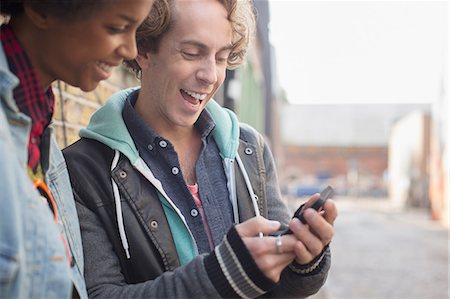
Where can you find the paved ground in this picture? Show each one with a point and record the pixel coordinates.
(383, 253)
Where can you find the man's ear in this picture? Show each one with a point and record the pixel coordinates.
(143, 60)
(39, 18)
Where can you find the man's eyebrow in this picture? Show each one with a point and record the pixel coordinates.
(203, 46)
(227, 47)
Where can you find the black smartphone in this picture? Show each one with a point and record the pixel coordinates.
(317, 205)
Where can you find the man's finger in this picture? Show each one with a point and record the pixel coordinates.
(256, 225)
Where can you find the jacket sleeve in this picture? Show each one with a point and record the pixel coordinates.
(291, 284)
(212, 275)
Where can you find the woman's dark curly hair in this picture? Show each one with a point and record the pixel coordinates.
(241, 15)
(64, 9)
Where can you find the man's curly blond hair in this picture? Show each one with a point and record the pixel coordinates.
(241, 14)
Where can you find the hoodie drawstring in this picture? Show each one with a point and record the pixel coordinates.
(118, 205)
(123, 236)
(248, 184)
(231, 185)
(249, 188)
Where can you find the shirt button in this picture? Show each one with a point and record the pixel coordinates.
(154, 224)
(194, 213)
(150, 147)
(162, 143)
(123, 174)
(248, 151)
(33, 140)
(175, 170)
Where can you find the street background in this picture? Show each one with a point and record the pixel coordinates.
(363, 105)
(383, 252)
(353, 94)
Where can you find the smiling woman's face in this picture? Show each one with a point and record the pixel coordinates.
(83, 52)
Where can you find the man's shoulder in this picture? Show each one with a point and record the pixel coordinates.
(86, 149)
(249, 134)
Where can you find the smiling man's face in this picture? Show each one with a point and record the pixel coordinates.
(189, 66)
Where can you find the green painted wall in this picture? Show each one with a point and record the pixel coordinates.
(250, 107)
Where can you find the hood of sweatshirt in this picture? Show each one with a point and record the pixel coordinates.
(107, 126)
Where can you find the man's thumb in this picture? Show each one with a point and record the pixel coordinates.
(256, 225)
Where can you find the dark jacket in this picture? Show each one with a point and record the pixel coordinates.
(154, 269)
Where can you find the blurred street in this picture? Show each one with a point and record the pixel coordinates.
(380, 252)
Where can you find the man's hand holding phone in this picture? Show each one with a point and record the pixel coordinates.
(309, 232)
(312, 226)
(317, 204)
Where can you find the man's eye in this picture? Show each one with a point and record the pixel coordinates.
(221, 59)
(191, 55)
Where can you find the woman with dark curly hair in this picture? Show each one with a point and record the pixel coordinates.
(79, 42)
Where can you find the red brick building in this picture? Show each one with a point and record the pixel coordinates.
(352, 170)
(344, 145)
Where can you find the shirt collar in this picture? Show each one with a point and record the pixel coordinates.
(29, 94)
(143, 135)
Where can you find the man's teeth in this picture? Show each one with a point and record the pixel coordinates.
(198, 96)
(106, 67)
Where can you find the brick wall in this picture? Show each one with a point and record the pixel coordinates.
(78, 106)
(352, 170)
(336, 160)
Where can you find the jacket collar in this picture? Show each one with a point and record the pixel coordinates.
(7, 82)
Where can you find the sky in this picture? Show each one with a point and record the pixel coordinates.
(360, 51)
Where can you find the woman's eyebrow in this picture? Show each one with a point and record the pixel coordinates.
(128, 18)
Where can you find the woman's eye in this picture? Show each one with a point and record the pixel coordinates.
(114, 29)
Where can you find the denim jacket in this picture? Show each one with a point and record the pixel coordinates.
(33, 262)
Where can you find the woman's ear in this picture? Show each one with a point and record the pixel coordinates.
(39, 18)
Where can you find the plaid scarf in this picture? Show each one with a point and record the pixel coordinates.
(29, 94)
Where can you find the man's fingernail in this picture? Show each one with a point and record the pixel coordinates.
(309, 213)
(295, 221)
(274, 223)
